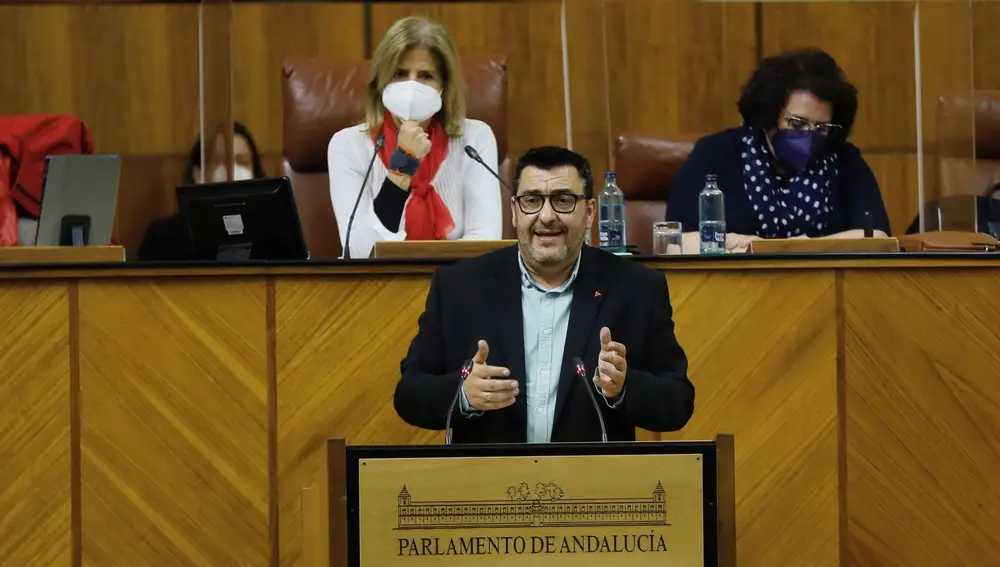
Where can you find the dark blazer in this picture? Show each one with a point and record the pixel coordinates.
(855, 189)
(481, 299)
(166, 240)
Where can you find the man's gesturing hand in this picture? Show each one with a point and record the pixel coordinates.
(611, 366)
(487, 388)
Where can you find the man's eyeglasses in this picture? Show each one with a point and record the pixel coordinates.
(532, 203)
(796, 123)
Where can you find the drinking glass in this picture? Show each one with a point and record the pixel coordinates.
(667, 239)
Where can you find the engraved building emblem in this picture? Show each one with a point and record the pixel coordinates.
(523, 508)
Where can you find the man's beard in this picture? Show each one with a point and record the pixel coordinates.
(539, 256)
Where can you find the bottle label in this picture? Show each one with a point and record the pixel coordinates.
(712, 235)
(609, 237)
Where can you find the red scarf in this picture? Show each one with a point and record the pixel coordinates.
(426, 216)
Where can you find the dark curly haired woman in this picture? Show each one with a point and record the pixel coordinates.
(789, 171)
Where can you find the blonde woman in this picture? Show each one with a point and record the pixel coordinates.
(423, 186)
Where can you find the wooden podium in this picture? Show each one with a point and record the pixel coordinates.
(579, 505)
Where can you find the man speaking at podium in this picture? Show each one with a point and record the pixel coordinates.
(528, 326)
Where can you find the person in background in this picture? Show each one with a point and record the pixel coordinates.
(422, 186)
(167, 239)
(987, 213)
(789, 171)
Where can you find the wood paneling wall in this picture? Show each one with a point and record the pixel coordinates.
(159, 448)
(130, 71)
(37, 432)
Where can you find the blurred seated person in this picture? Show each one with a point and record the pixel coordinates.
(167, 239)
(422, 186)
(789, 171)
(987, 214)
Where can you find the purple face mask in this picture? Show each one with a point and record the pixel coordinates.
(797, 148)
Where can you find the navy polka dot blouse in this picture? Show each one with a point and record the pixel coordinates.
(830, 196)
(785, 205)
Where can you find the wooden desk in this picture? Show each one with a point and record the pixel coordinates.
(61, 254)
(411, 249)
(179, 413)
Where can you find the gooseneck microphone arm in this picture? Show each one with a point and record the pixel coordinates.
(462, 375)
(472, 153)
(379, 142)
(581, 372)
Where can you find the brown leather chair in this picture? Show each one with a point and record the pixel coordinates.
(968, 163)
(322, 97)
(645, 167)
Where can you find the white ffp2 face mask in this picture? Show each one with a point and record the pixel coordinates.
(411, 100)
(240, 173)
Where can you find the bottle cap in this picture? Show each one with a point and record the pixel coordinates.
(710, 177)
(610, 175)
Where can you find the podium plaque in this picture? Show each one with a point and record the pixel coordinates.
(633, 504)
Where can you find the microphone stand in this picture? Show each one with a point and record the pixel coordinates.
(379, 142)
(581, 372)
(462, 375)
(474, 155)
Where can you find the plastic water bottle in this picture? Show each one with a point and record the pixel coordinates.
(611, 216)
(712, 218)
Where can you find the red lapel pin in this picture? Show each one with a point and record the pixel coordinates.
(597, 294)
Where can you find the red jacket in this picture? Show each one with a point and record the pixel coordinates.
(25, 141)
(8, 213)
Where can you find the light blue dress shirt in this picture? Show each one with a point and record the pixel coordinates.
(545, 314)
(546, 323)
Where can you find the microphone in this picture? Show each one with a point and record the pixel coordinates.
(869, 225)
(581, 371)
(472, 153)
(379, 142)
(462, 375)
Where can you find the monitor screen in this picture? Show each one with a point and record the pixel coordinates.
(243, 220)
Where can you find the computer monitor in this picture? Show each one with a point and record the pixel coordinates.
(79, 195)
(243, 220)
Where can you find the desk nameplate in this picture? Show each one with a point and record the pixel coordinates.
(546, 510)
